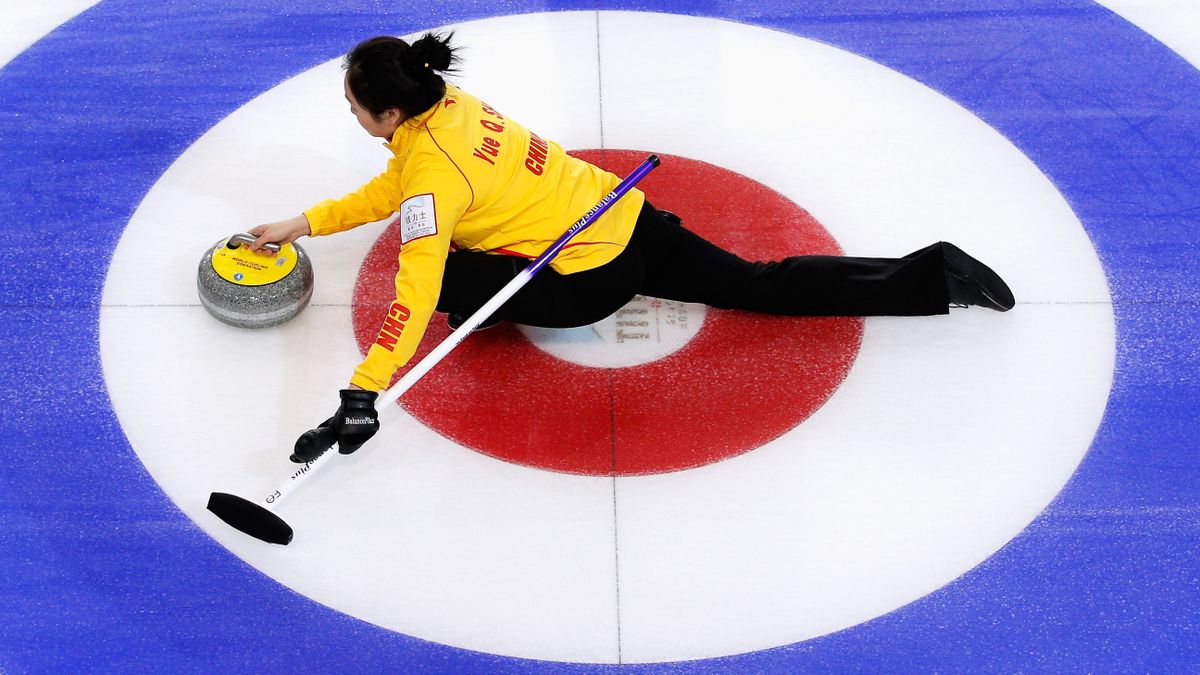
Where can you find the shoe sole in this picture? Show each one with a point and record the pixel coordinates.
(970, 270)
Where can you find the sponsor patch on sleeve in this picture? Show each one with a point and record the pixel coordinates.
(417, 218)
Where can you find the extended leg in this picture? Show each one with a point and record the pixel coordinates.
(683, 266)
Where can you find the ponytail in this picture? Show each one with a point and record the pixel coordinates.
(387, 72)
(434, 53)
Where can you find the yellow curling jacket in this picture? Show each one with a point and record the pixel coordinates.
(465, 175)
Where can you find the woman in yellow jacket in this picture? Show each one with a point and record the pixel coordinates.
(479, 197)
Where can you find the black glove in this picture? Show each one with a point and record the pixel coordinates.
(354, 423)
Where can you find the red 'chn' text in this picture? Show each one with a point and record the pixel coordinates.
(535, 161)
(393, 326)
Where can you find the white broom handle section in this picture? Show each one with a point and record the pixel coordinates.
(306, 471)
(299, 476)
(446, 346)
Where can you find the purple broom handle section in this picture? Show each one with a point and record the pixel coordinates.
(594, 214)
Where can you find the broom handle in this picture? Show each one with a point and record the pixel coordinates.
(439, 352)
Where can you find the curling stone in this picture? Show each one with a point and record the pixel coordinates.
(248, 290)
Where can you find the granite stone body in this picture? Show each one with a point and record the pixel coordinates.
(260, 306)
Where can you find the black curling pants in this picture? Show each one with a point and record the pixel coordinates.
(666, 260)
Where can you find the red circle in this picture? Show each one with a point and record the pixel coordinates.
(742, 381)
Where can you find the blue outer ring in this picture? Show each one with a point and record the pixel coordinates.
(99, 567)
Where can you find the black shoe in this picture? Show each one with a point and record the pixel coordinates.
(455, 320)
(670, 217)
(970, 282)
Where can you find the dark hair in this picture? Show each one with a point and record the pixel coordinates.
(386, 72)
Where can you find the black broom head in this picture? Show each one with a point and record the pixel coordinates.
(250, 518)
